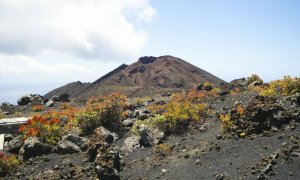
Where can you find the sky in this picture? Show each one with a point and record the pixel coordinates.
(48, 43)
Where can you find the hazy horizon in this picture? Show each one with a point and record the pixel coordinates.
(47, 44)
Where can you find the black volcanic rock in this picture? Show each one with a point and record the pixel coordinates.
(147, 59)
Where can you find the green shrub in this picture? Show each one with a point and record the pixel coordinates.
(106, 111)
(8, 163)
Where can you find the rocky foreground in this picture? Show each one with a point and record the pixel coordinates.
(241, 136)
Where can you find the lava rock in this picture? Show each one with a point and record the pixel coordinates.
(150, 136)
(223, 92)
(49, 174)
(142, 113)
(24, 100)
(50, 103)
(81, 142)
(64, 98)
(128, 122)
(33, 147)
(67, 147)
(107, 163)
(131, 143)
(108, 136)
(100, 137)
(14, 145)
(8, 137)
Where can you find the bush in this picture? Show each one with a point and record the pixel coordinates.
(253, 78)
(64, 106)
(181, 108)
(38, 108)
(196, 96)
(163, 149)
(226, 122)
(215, 91)
(7, 163)
(177, 114)
(155, 121)
(105, 111)
(208, 86)
(286, 86)
(48, 131)
(140, 101)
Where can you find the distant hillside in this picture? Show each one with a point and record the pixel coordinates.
(73, 89)
(147, 76)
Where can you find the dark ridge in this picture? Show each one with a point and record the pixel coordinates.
(122, 67)
(147, 59)
(140, 69)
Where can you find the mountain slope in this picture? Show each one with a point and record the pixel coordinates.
(149, 76)
(73, 89)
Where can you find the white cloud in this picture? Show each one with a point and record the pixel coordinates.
(93, 29)
(21, 64)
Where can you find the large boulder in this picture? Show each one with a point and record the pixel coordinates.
(14, 145)
(238, 83)
(81, 142)
(67, 147)
(141, 113)
(108, 136)
(100, 137)
(36, 98)
(131, 143)
(30, 98)
(50, 103)
(128, 122)
(33, 147)
(107, 163)
(24, 100)
(64, 98)
(150, 136)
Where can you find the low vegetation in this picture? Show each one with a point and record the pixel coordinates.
(106, 111)
(38, 108)
(254, 78)
(177, 114)
(163, 149)
(48, 131)
(8, 163)
(101, 111)
(286, 86)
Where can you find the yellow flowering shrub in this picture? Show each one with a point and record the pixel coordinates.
(177, 114)
(226, 122)
(286, 86)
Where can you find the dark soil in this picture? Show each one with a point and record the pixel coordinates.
(203, 152)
